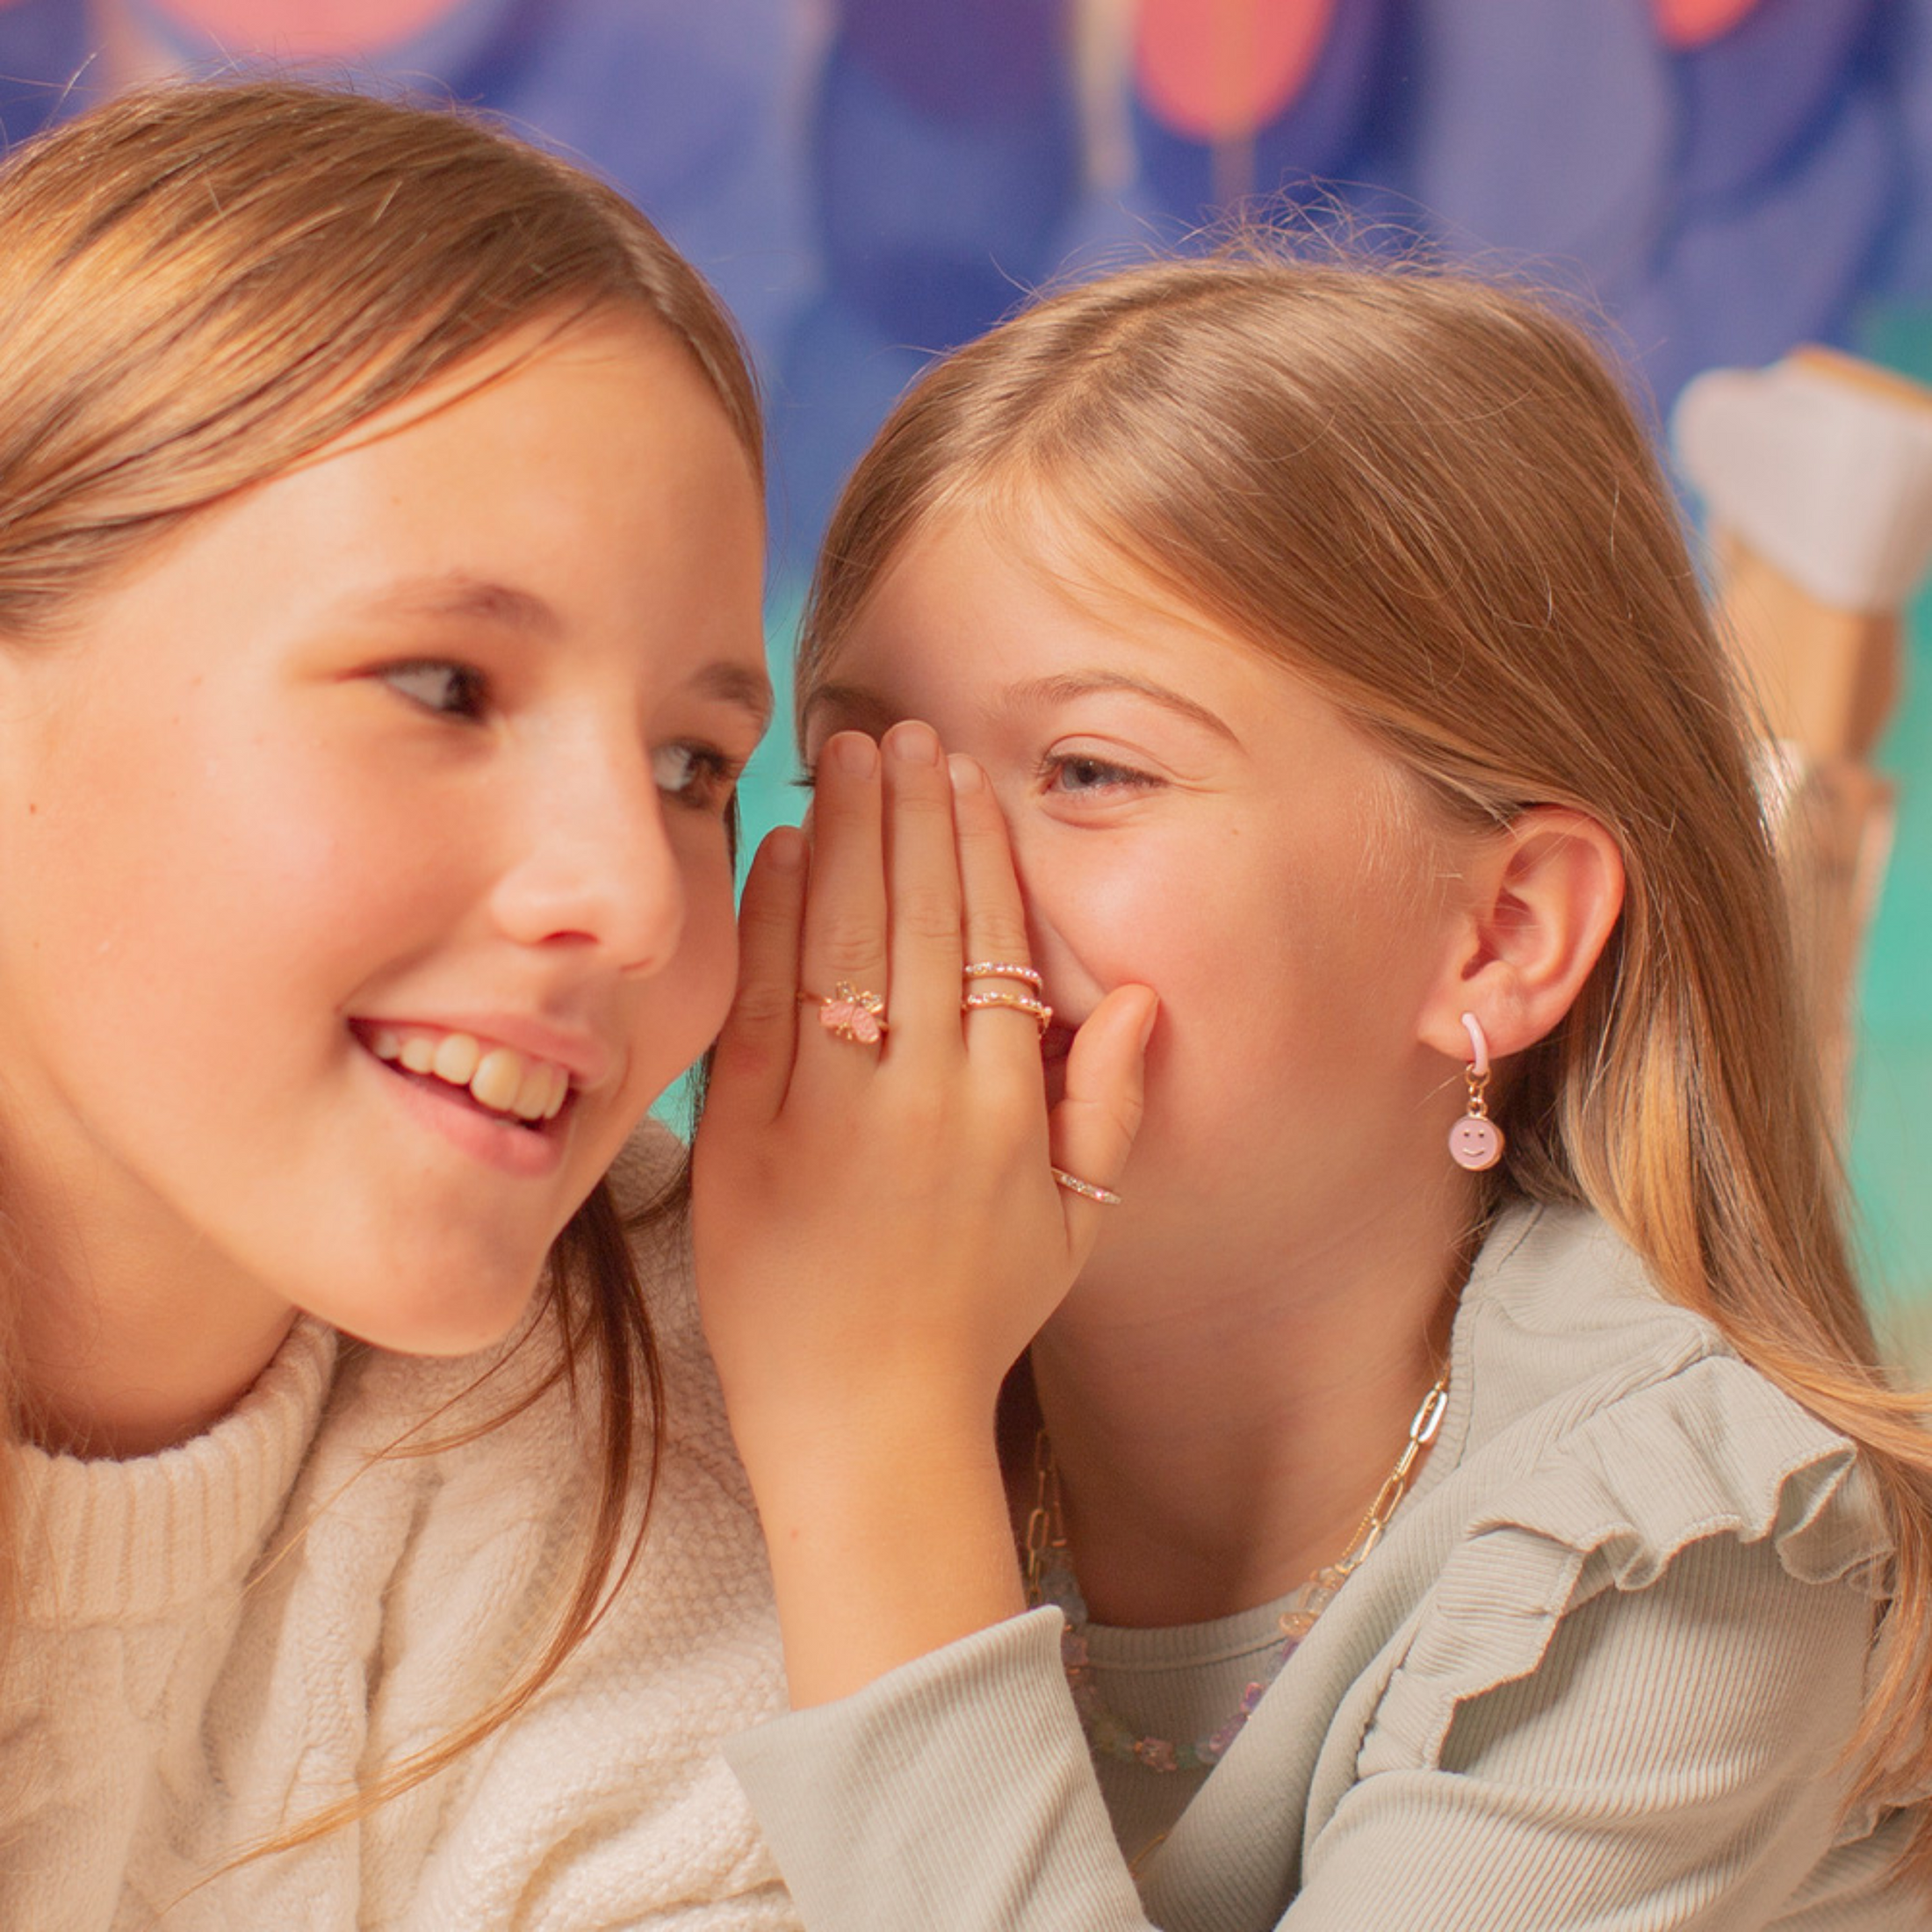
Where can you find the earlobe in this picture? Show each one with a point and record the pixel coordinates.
(1545, 896)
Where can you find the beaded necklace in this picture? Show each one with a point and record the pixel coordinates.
(1050, 1580)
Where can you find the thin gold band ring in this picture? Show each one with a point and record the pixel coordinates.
(1018, 1002)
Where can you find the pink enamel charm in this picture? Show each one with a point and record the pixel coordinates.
(1475, 1142)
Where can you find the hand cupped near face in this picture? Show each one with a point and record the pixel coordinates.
(1188, 814)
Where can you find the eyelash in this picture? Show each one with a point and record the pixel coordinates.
(1052, 766)
(473, 687)
(1114, 776)
(713, 775)
(713, 778)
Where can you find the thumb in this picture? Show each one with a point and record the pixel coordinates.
(1092, 1130)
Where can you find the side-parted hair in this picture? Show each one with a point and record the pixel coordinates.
(1428, 496)
(201, 286)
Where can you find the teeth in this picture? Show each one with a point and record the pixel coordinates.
(456, 1058)
(498, 1077)
(533, 1090)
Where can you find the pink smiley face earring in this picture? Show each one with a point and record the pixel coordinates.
(1475, 1142)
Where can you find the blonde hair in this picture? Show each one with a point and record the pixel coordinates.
(1428, 496)
(202, 285)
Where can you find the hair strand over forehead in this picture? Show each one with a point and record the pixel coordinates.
(202, 285)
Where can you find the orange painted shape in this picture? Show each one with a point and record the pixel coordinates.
(1689, 24)
(1216, 71)
(306, 29)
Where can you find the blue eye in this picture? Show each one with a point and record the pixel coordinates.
(450, 690)
(697, 776)
(1075, 774)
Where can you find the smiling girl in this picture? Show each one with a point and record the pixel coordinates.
(1461, 1469)
(379, 642)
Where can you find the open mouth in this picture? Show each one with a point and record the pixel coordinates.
(497, 1081)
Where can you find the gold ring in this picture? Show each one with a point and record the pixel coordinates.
(849, 1014)
(1085, 1189)
(1019, 1002)
(999, 968)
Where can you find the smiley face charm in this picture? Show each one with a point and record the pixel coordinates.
(1475, 1142)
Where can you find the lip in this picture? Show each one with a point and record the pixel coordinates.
(1057, 1041)
(587, 1060)
(511, 1147)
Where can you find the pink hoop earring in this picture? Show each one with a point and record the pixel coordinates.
(1475, 1142)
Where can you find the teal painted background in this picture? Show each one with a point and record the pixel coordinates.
(1891, 1142)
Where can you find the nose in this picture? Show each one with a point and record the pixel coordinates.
(594, 866)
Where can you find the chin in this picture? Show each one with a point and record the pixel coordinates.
(477, 1315)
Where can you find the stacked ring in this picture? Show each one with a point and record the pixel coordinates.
(1005, 968)
(1086, 1189)
(996, 968)
(1019, 1002)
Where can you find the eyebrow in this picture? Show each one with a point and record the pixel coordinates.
(737, 684)
(462, 598)
(863, 709)
(1040, 692)
(866, 709)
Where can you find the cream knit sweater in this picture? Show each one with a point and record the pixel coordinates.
(222, 1638)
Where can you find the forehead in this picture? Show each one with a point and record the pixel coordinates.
(990, 593)
(590, 492)
(990, 626)
(624, 346)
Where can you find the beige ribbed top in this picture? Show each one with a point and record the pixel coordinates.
(1598, 1675)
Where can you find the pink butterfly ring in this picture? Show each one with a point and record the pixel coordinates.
(849, 1014)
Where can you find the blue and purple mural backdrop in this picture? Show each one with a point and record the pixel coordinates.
(869, 181)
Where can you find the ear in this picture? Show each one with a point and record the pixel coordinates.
(1541, 900)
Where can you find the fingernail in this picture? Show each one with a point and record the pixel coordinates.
(1148, 1019)
(855, 754)
(965, 773)
(913, 743)
(785, 849)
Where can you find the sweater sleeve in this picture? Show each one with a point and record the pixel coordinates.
(954, 1793)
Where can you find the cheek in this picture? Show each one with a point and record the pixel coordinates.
(680, 1008)
(1187, 917)
(708, 955)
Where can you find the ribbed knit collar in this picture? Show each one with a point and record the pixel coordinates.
(105, 1541)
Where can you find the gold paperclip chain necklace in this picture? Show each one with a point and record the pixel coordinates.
(1050, 1580)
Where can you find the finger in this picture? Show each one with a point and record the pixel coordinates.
(844, 941)
(922, 871)
(1092, 1130)
(995, 920)
(753, 1064)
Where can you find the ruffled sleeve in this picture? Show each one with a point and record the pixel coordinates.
(1624, 1700)
(1712, 1451)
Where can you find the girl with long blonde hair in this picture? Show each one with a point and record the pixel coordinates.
(1451, 1473)
(379, 642)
